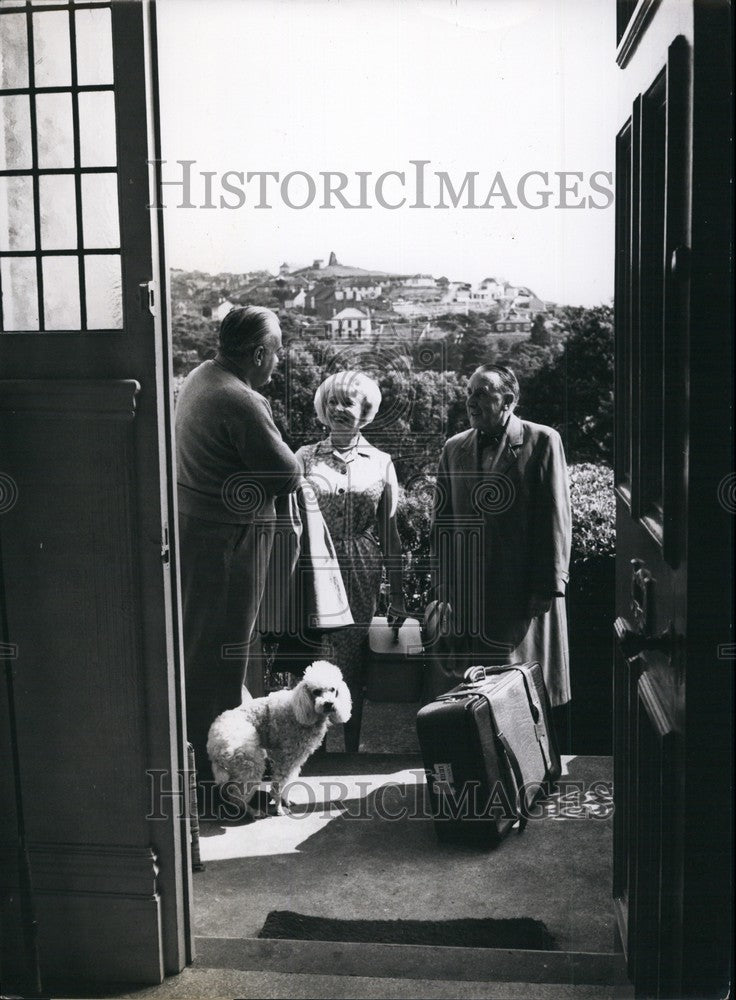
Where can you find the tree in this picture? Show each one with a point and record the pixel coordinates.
(567, 382)
(476, 340)
(575, 393)
(291, 392)
(540, 334)
(194, 339)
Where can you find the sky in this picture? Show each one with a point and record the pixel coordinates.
(499, 88)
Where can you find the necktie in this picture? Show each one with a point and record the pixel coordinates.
(488, 440)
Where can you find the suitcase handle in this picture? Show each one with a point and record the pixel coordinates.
(476, 675)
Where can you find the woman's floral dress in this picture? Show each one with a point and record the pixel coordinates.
(350, 487)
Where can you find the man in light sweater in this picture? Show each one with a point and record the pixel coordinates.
(231, 463)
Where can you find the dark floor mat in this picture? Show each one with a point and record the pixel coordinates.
(515, 932)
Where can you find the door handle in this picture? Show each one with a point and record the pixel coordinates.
(632, 644)
(146, 293)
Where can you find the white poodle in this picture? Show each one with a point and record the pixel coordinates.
(285, 727)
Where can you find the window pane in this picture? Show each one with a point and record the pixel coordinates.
(13, 51)
(55, 130)
(58, 205)
(94, 47)
(61, 293)
(15, 137)
(100, 211)
(51, 45)
(104, 292)
(97, 129)
(20, 293)
(16, 214)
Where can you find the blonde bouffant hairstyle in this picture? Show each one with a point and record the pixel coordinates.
(352, 384)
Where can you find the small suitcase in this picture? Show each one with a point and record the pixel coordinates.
(489, 752)
(396, 661)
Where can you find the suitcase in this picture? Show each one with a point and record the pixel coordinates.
(395, 662)
(489, 752)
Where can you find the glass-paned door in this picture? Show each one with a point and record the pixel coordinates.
(60, 249)
(87, 557)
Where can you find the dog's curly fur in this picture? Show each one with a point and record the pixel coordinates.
(285, 728)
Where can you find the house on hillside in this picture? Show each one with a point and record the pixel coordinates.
(490, 288)
(291, 290)
(513, 322)
(349, 324)
(321, 300)
(526, 299)
(220, 311)
(457, 291)
(419, 281)
(325, 298)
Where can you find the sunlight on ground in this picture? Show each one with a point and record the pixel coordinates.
(566, 761)
(316, 801)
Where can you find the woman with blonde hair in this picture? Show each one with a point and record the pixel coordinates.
(357, 491)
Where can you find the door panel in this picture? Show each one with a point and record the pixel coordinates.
(673, 329)
(90, 607)
(651, 575)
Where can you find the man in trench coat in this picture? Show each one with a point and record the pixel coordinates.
(501, 539)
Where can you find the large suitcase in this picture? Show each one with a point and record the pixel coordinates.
(489, 752)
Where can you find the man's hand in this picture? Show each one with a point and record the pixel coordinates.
(539, 604)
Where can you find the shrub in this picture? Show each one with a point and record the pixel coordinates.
(593, 511)
(414, 517)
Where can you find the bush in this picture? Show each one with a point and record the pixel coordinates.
(593, 511)
(591, 607)
(414, 517)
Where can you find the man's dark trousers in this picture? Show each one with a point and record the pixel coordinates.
(223, 575)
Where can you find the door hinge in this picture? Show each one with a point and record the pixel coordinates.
(165, 544)
(146, 290)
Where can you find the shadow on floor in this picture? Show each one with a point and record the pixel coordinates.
(360, 845)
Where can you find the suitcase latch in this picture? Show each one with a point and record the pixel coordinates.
(442, 774)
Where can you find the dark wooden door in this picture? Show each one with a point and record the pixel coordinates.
(673, 350)
(90, 606)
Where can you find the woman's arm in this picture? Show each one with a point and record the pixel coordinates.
(390, 540)
(301, 457)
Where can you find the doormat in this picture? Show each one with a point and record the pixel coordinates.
(514, 932)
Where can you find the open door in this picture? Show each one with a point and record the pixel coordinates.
(673, 690)
(90, 608)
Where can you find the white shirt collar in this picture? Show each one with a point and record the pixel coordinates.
(361, 447)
